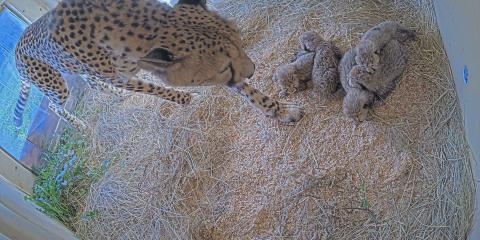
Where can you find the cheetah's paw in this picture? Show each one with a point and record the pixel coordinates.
(189, 98)
(82, 127)
(289, 113)
(119, 98)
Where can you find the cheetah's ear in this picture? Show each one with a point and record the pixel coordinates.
(202, 3)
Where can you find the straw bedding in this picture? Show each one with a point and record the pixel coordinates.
(217, 169)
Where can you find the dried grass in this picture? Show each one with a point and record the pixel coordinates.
(219, 170)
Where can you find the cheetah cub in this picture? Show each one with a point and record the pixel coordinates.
(295, 76)
(393, 62)
(325, 65)
(316, 64)
(374, 40)
(357, 101)
(364, 89)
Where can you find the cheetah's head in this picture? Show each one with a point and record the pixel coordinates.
(198, 47)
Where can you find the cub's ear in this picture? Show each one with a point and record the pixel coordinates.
(202, 3)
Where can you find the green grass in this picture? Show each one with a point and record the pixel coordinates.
(64, 181)
(363, 196)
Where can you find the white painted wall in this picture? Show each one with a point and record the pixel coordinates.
(459, 23)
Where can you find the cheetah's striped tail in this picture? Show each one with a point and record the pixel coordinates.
(21, 103)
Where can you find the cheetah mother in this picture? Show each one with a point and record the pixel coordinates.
(109, 41)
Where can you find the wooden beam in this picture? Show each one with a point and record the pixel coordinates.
(21, 219)
(16, 227)
(16, 173)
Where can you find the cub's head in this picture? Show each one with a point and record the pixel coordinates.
(368, 56)
(357, 75)
(197, 46)
(310, 41)
(356, 104)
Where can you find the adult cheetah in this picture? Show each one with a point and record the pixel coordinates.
(109, 41)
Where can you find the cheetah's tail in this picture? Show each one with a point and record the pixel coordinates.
(22, 101)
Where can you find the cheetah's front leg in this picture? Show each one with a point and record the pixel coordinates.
(96, 83)
(284, 112)
(138, 85)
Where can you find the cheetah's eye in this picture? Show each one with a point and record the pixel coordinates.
(202, 3)
(161, 54)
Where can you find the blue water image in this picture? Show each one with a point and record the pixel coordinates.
(11, 139)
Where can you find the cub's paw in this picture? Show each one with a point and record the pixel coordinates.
(361, 115)
(289, 113)
(358, 117)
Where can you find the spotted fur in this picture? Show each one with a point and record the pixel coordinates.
(109, 41)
